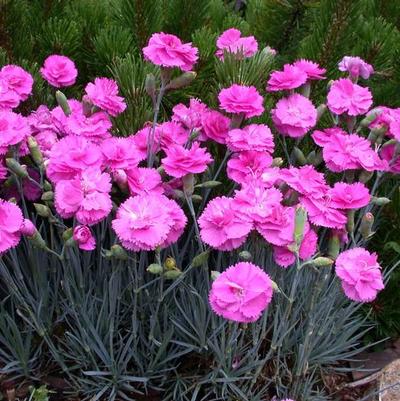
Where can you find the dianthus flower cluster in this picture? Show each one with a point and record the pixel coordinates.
(143, 184)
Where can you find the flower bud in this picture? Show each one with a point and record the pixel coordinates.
(214, 275)
(150, 86)
(188, 184)
(155, 268)
(322, 262)
(63, 103)
(194, 135)
(196, 198)
(37, 240)
(275, 286)
(200, 259)
(350, 221)
(376, 135)
(183, 80)
(365, 176)
(28, 228)
(314, 158)
(48, 196)
(67, 234)
(245, 255)
(84, 238)
(366, 225)
(42, 210)
(334, 246)
(47, 186)
(170, 263)
(17, 168)
(172, 274)
(277, 162)
(35, 151)
(380, 201)
(87, 106)
(208, 184)
(118, 252)
(300, 221)
(299, 156)
(372, 115)
(320, 111)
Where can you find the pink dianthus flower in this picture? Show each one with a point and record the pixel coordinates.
(94, 127)
(232, 41)
(14, 128)
(167, 50)
(168, 134)
(215, 126)
(248, 165)
(59, 71)
(356, 67)
(241, 293)
(256, 137)
(190, 116)
(221, 226)
(103, 93)
(305, 180)
(120, 154)
(143, 180)
(347, 97)
(360, 274)
(349, 196)
(290, 78)
(312, 69)
(11, 221)
(87, 197)
(240, 99)
(19, 80)
(294, 115)
(342, 151)
(84, 238)
(321, 212)
(147, 221)
(9, 99)
(181, 161)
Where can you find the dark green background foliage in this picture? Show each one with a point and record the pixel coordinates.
(105, 325)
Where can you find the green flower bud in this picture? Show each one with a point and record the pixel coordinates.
(277, 162)
(183, 80)
(208, 184)
(150, 85)
(170, 263)
(245, 255)
(334, 246)
(200, 259)
(47, 186)
(42, 210)
(172, 274)
(365, 122)
(380, 201)
(300, 221)
(214, 275)
(118, 252)
(188, 184)
(196, 198)
(322, 262)
(155, 268)
(48, 196)
(35, 151)
(63, 103)
(320, 111)
(37, 240)
(17, 168)
(366, 225)
(67, 234)
(350, 221)
(299, 156)
(365, 176)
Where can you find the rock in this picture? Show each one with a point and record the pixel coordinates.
(389, 383)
